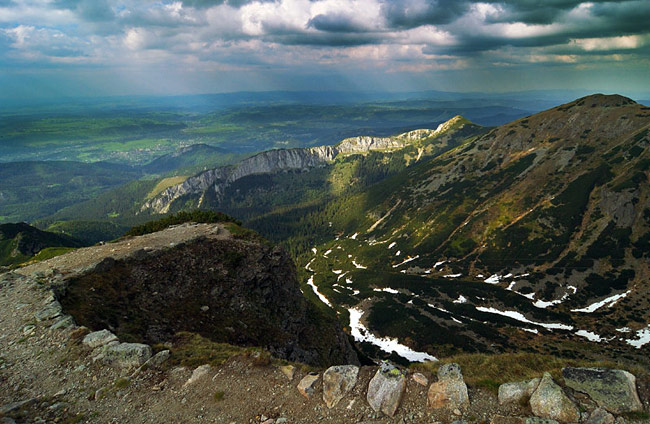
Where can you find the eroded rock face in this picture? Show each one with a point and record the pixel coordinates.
(450, 391)
(549, 401)
(337, 382)
(386, 389)
(250, 290)
(614, 390)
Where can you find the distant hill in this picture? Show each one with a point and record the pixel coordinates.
(20, 242)
(30, 190)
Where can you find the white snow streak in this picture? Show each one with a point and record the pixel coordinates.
(387, 290)
(520, 317)
(409, 259)
(609, 302)
(387, 344)
(319, 294)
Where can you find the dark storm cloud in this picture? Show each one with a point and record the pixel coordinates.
(203, 4)
(324, 39)
(334, 23)
(414, 13)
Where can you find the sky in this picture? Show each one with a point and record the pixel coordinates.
(169, 47)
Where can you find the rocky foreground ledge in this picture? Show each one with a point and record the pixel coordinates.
(52, 369)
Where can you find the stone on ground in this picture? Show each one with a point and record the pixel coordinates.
(516, 392)
(288, 370)
(450, 391)
(386, 389)
(98, 338)
(307, 386)
(198, 374)
(125, 355)
(337, 382)
(158, 359)
(421, 379)
(550, 401)
(614, 390)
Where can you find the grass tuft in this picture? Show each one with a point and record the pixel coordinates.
(193, 350)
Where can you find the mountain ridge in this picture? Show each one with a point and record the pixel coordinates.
(278, 160)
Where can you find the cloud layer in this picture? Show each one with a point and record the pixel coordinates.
(270, 38)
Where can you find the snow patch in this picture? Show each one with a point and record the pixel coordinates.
(493, 279)
(453, 275)
(387, 344)
(461, 299)
(393, 244)
(314, 250)
(609, 302)
(399, 252)
(358, 265)
(354, 236)
(337, 271)
(643, 336)
(592, 337)
(327, 253)
(437, 264)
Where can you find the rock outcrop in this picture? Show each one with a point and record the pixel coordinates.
(241, 291)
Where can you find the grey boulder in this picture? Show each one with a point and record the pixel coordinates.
(550, 401)
(614, 390)
(337, 382)
(386, 388)
(516, 392)
(98, 338)
(450, 391)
